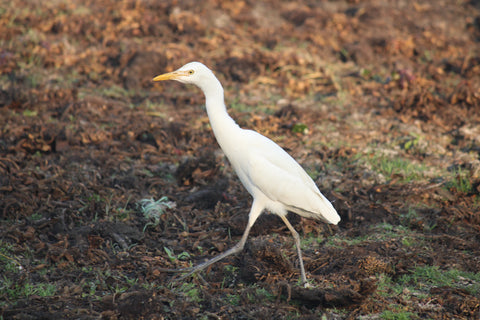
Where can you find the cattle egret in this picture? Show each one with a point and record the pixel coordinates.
(275, 180)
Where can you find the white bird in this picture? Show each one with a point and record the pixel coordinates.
(275, 180)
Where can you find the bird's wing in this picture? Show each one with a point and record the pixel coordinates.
(280, 178)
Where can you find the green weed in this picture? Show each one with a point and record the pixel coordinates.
(264, 294)
(410, 143)
(460, 182)
(386, 287)
(190, 291)
(152, 210)
(182, 256)
(45, 289)
(300, 128)
(229, 269)
(15, 290)
(96, 282)
(233, 299)
(8, 262)
(398, 315)
(36, 216)
(116, 213)
(310, 240)
(30, 113)
(148, 285)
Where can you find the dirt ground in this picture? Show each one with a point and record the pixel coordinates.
(378, 100)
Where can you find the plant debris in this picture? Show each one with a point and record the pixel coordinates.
(380, 103)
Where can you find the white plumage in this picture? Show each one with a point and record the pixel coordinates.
(275, 180)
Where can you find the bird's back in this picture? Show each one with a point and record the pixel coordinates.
(267, 171)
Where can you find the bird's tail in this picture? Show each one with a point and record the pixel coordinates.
(323, 210)
(328, 212)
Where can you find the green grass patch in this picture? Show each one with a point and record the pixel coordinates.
(418, 283)
(15, 290)
(191, 292)
(300, 128)
(397, 315)
(250, 295)
(460, 182)
(341, 243)
(395, 167)
(233, 299)
(242, 107)
(8, 263)
(264, 294)
(14, 280)
(426, 277)
(416, 286)
(378, 232)
(30, 113)
(411, 143)
(116, 92)
(96, 282)
(310, 240)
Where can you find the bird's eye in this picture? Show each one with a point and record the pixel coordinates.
(190, 72)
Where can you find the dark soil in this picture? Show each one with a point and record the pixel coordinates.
(341, 85)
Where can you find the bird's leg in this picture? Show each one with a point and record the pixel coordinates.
(255, 211)
(235, 249)
(299, 249)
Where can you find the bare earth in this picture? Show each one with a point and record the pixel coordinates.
(378, 100)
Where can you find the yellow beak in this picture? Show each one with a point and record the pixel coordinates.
(170, 76)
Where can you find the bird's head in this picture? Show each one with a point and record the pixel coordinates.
(193, 72)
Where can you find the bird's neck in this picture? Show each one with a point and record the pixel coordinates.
(223, 126)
